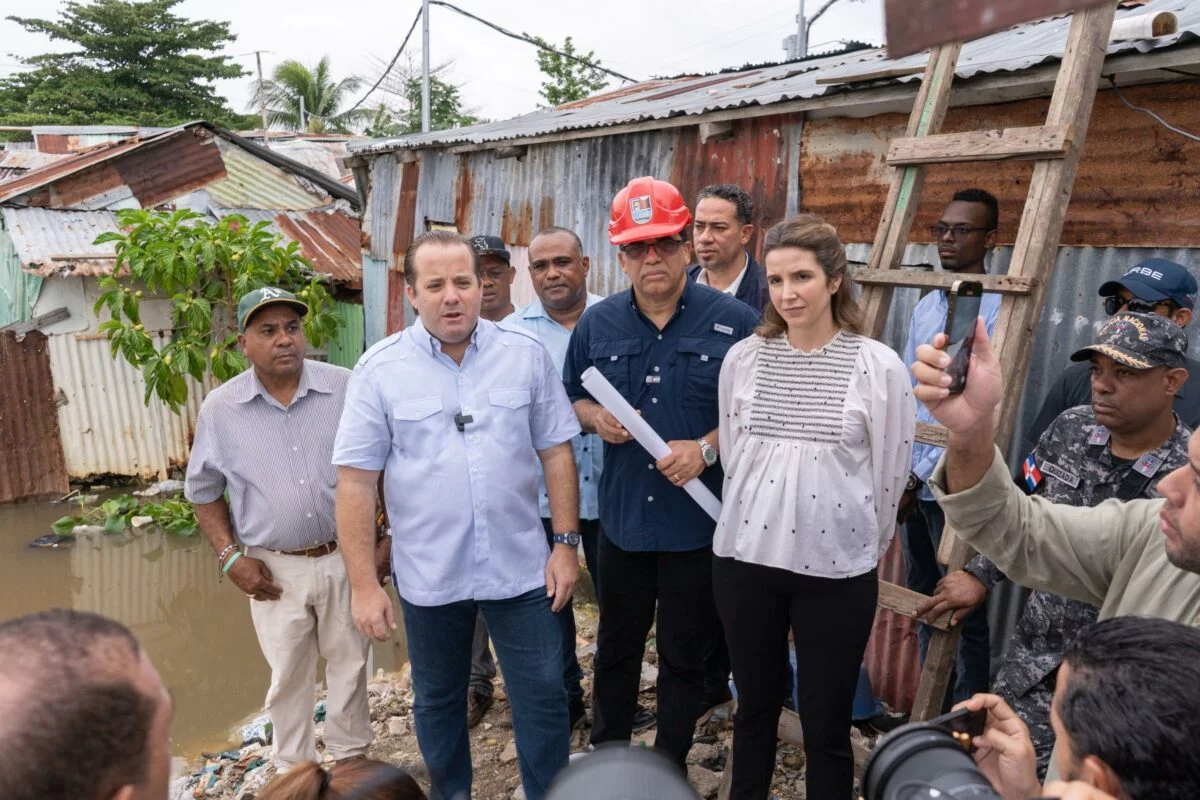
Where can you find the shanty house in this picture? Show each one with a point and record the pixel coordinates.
(812, 135)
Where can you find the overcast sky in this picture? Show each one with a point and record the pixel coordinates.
(498, 76)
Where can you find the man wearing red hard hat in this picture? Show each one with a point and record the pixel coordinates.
(660, 343)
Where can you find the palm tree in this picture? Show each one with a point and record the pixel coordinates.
(322, 98)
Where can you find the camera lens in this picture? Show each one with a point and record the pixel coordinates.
(921, 761)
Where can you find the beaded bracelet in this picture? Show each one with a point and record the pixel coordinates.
(225, 552)
(229, 563)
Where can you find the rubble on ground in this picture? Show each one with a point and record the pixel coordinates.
(237, 774)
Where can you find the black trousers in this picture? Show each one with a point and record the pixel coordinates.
(830, 620)
(632, 585)
(589, 530)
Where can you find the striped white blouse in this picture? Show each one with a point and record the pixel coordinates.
(816, 448)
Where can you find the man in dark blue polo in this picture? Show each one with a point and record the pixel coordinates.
(660, 344)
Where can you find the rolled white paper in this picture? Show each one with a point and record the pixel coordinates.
(1145, 26)
(604, 393)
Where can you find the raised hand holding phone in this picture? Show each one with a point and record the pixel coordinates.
(964, 301)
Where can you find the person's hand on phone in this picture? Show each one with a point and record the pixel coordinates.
(1004, 753)
(976, 405)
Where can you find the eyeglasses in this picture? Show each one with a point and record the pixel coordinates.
(939, 230)
(1114, 303)
(665, 247)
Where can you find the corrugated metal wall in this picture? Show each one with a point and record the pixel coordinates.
(18, 289)
(106, 426)
(347, 346)
(31, 457)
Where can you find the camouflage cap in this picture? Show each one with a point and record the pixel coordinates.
(1140, 341)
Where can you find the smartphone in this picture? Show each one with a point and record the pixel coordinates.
(965, 297)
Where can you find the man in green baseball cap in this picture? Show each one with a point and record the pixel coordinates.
(255, 301)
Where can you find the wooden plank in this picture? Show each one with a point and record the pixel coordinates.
(905, 602)
(49, 318)
(941, 279)
(951, 548)
(904, 194)
(935, 435)
(935, 675)
(915, 25)
(1007, 144)
(873, 75)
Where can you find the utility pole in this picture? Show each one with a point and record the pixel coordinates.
(424, 66)
(796, 45)
(303, 127)
(262, 100)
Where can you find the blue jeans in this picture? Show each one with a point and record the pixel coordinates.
(922, 535)
(528, 643)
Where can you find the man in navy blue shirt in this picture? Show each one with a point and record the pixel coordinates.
(660, 344)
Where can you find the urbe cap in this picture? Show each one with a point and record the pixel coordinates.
(1156, 279)
(266, 296)
(1139, 341)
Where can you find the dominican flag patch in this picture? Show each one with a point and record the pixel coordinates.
(1033, 476)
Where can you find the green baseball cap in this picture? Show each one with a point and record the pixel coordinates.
(266, 296)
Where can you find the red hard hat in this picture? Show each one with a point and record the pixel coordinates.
(647, 209)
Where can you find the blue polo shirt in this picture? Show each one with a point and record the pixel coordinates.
(671, 377)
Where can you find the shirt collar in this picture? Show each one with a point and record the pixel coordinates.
(702, 276)
(310, 380)
(431, 345)
(536, 310)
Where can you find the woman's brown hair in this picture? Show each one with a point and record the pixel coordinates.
(810, 232)
(363, 779)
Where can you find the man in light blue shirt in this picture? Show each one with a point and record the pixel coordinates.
(456, 412)
(559, 269)
(964, 235)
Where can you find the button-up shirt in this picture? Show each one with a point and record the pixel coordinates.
(588, 447)
(671, 377)
(750, 286)
(274, 460)
(463, 503)
(928, 319)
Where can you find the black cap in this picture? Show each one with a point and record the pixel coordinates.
(490, 246)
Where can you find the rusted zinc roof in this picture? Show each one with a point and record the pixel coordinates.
(147, 170)
(1015, 50)
(53, 243)
(15, 163)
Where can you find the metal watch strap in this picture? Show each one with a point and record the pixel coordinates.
(570, 538)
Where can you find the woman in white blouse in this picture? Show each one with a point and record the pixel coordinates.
(816, 433)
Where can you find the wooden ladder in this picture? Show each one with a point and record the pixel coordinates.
(1056, 148)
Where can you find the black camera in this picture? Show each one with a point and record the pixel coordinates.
(925, 760)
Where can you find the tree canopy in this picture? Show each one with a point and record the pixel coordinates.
(568, 80)
(133, 63)
(323, 98)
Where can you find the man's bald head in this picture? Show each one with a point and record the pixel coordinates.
(84, 710)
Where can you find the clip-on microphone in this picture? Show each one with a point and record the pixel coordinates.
(461, 421)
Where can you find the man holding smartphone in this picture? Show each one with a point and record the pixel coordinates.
(964, 234)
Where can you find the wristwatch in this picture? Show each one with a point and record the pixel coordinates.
(913, 484)
(570, 538)
(707, 452)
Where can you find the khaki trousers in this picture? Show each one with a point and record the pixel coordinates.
(312, 617)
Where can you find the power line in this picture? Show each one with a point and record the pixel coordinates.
(1156, 117)
(391, 63)
(521, 38)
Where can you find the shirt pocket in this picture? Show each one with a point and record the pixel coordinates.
(418, 427)
(509, 410)
(614, 359)
(700, 359)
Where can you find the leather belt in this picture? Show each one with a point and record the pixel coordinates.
(312, 552)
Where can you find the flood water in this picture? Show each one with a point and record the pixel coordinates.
(166, 589)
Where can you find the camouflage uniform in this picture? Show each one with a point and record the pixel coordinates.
(1072, 464)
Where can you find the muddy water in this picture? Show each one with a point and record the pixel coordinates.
(195, 627)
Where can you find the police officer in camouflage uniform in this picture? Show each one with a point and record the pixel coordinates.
(1119, 447)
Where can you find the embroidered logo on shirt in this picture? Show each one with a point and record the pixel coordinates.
(725, 329)
(653, 379)
(1055, 471)
(1148, 465)
(1099, 435)
(1033, 476)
